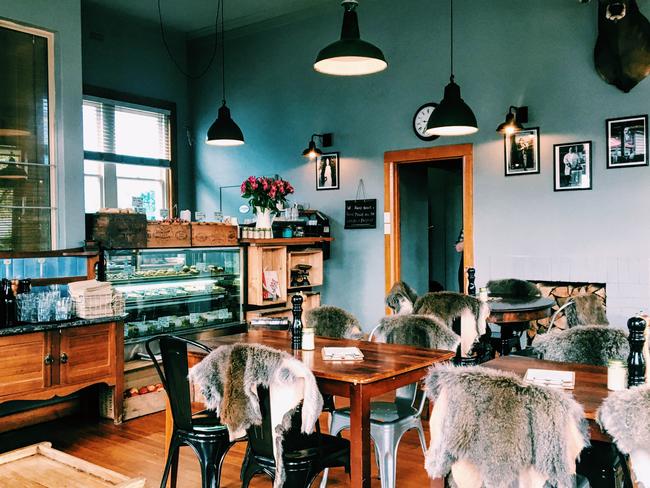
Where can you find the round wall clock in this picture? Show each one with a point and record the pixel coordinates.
(420, 120)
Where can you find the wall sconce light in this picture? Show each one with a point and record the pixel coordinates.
(312, 151)
(515, 118)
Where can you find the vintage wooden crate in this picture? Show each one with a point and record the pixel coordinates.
(117, 231)
(213, 234)
(167, 234)
(40, 466)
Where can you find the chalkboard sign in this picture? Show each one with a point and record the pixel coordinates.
(361, 214)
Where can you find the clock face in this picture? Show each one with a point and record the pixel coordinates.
(420, 120)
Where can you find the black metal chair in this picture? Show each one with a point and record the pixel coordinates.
(303, 456)
(202, 431)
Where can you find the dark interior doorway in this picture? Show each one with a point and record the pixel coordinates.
(431, 221)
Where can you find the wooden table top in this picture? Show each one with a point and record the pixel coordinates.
(381, 361)
(591, 381)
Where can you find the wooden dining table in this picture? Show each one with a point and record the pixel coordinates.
(385, 368)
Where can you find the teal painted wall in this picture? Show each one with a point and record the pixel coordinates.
(537, 52)
(131, 58)
(63, 18)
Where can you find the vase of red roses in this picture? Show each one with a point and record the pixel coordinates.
(267, 195)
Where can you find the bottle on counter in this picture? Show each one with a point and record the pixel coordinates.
(8, 304)
(296, 327)
(25, 286)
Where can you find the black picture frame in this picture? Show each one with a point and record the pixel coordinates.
(627, 134)
(521, 152)
(572, 166)
(327, 180)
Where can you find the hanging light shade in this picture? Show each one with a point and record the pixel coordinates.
(224, 131)
(514, 119)
(12, 172)
(350, 56)
(453, 117)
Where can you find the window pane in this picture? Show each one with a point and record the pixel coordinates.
(24, 119)
(93, 193)
(93, 168)
(92, 127)
(136, 171)
(139, 133)
(151, 192)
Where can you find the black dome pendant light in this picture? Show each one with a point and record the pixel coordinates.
(224, 131)
(350, 56)
(453, 117)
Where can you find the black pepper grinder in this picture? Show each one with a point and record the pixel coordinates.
(471, 278)
(635, 362)
(296, 328)
(8, 304)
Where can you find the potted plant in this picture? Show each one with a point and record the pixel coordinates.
(267, 195)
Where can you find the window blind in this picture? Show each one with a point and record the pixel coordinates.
(120, 132)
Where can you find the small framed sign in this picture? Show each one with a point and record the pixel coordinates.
(361, 214)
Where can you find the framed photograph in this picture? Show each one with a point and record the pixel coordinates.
(327, 171)
(521, 150)
(572, 166)
(627, 142)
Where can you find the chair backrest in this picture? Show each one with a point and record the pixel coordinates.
(173, 374)
(401, 298)
(260, 437)
(330, 321)
(585, 344)
(587, 310)
(499, 428)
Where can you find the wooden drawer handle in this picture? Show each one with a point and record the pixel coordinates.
(48, 360)
(63, 358)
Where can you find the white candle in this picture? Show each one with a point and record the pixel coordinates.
(308, 339)
(616, 375)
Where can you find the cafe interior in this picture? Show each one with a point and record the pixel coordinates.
(303, 243)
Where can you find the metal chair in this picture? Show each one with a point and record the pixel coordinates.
(389, 421)
(202, 431)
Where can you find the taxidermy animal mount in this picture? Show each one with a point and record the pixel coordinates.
(622, 52)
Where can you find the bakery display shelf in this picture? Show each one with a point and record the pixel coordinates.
(152, 301)
(182, 330)
(162, 279)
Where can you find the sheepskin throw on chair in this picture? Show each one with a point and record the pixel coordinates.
(624, 415)
(585, 344)
(329, 321)
(417, 330)
(228, 378)
(514, 288)
(448, 306)
(490, 429)
(401, 298)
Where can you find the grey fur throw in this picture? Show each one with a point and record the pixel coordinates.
(448, 306)
(228, 378)
(512, 287)
(417, 330)
(401, 298)
(586, 310)
(624, 415)
(329, 321)
(585, 344)
(492, 430)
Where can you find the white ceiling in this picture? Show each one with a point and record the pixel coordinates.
(196, 15)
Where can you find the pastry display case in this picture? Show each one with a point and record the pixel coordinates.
(180, 291)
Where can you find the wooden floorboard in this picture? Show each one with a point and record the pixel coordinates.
(135, 448)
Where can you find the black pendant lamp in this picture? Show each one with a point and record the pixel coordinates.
(453, 117)
(350, 56)
(224, 131)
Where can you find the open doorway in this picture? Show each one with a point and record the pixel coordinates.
(431, 224)
(428, 201)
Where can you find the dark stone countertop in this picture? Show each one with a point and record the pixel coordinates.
(43, 326)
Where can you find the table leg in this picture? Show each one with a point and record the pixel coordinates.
(359, 437)
(169, 426)
(506, 340)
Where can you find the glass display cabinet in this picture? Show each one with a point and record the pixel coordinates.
(176, 291)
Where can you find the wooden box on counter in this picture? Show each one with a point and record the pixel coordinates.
(168, 234)
(208, 234)
(117, 230)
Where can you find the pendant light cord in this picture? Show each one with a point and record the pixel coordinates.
(169, 52)
(451, 42)
(223, 56)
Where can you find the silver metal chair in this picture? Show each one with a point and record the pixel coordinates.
(389, 421)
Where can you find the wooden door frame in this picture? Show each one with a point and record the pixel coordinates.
(392, 161)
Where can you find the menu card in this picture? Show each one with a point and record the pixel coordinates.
(342, 354)
(552, 378)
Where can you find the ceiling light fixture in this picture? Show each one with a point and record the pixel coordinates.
(453, 117)
(224, 131)
(312, 152)
(515, 117)
(350, 56)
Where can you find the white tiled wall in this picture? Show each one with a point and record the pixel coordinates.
(627, 279)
